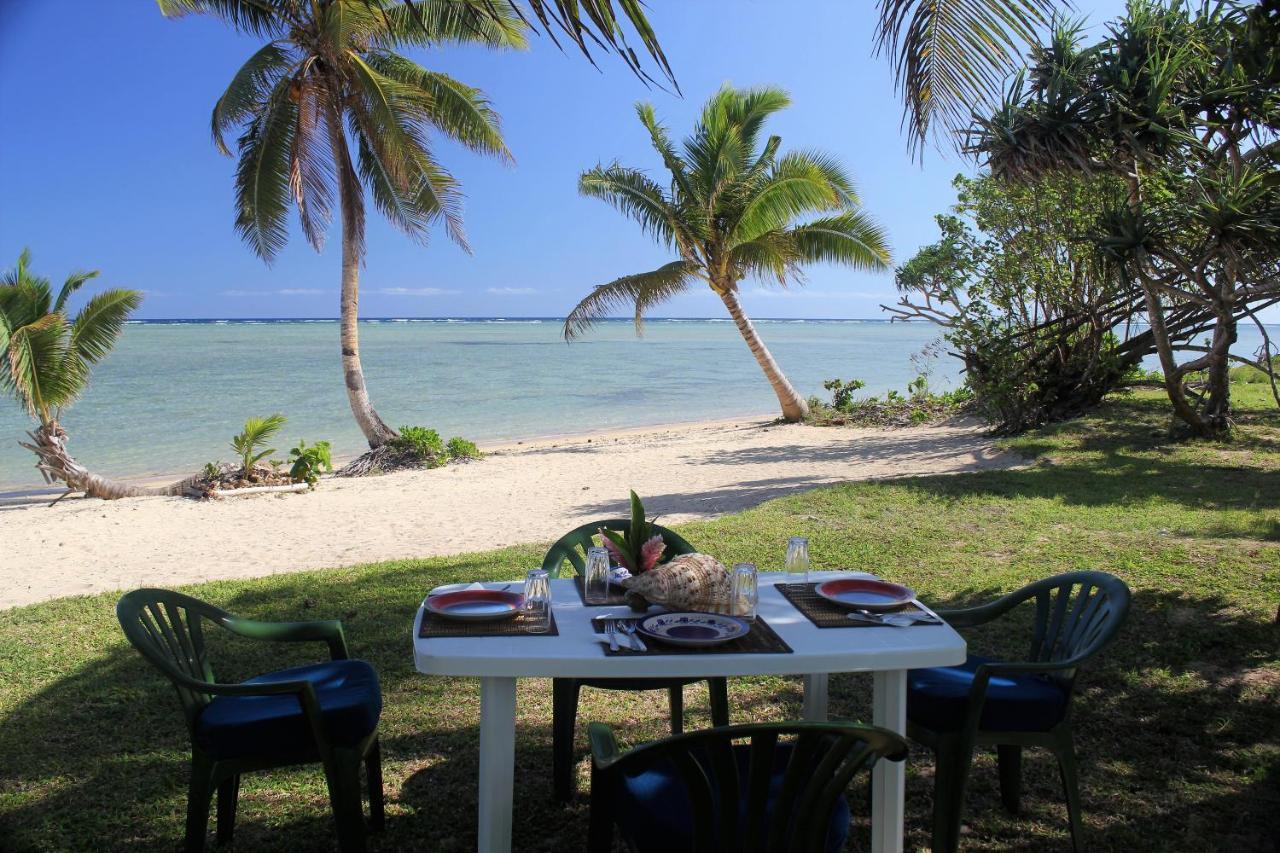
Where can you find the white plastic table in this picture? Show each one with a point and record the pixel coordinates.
(498, 661)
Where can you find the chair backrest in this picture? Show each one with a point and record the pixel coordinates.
(572, 547)
(1077, 614)
(816, 762)
(165, 627)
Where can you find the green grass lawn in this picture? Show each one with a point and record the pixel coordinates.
(1178, 724)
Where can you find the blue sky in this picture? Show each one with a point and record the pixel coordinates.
(108, 162)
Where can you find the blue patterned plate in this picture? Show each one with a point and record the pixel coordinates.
(693, 629)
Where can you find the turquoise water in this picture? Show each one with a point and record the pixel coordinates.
(172, 394)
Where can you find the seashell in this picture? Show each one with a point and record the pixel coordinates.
(688, 582)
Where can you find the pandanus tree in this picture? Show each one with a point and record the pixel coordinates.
(1182, 107)
(45, 359)
(734, 210)
(329, 82)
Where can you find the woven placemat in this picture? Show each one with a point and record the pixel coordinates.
(823, 613)
(761, 639)
(436, 626)
(617, 595)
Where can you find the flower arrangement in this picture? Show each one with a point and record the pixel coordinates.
(640, 548)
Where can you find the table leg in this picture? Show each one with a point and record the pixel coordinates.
(888, 779)
(815, 697)
(497, 763)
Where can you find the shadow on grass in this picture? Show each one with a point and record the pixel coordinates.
(1176, 726)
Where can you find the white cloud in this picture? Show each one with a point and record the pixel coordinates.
(300, 291)
(415, 291)
(511, 291)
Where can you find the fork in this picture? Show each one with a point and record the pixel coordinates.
(611, 631)
(629, 628)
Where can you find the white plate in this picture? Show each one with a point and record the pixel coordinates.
(695, 630)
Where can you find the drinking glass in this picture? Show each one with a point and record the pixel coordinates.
(746, 592)
(596, 583)
(537, 602)
(797, 560)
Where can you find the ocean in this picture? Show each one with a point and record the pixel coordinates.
(173, 392)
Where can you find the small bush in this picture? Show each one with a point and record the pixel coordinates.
(423, 443)
(310, 462)
(461, 448)
(918, 406)
(1250, 375)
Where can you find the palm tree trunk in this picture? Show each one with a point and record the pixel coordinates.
(375, 430)
(55, 463)
(794, 408)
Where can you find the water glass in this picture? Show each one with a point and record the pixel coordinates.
(797, 560)
(537, 602)
(746, 591)
(596, 583)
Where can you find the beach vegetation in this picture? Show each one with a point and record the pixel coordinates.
(736, 209)
(1175, 723)
(424, 444)
(250, 444)
(49, 354)
(1179, 104)
(461, 448)
(1024, 300)
(327, 83)
(308, 462)
(919, 405)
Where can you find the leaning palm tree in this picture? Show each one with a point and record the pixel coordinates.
(732, 212)
(328, 80)
(45, 357)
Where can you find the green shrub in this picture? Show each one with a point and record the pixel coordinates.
(461, 448)
(310, 462)
(249, 445)
(423, 443)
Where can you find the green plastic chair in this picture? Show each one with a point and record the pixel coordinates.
(167, 628)
(764, 788)
(1014, 704)
(572, 549)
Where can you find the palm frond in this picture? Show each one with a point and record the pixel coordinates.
(249, 90)
(636, 196)
(73, 283)
(662, 143)
(949, 57)
(263, 18)
(638, 292)
(36, 356)
(851, 238)
(263, 174)
(800, 183)
(96, 328)
(458, 111)
(311, 161)
(432, 24)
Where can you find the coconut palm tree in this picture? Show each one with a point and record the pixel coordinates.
(329, 80)
(732, 212)
(46, 359)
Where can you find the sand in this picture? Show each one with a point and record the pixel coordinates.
(528, 492)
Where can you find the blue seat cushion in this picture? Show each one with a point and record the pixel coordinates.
(653, 812)
(938, 699)
(274, 726)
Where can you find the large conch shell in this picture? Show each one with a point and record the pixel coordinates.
(688, 582)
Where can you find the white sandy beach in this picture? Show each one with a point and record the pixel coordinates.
(528, 492)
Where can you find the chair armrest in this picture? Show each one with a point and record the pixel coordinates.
(604, 745)
(968, 617)
(328, 630)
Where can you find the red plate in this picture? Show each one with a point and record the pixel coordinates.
(476, 605)
(861, 594)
